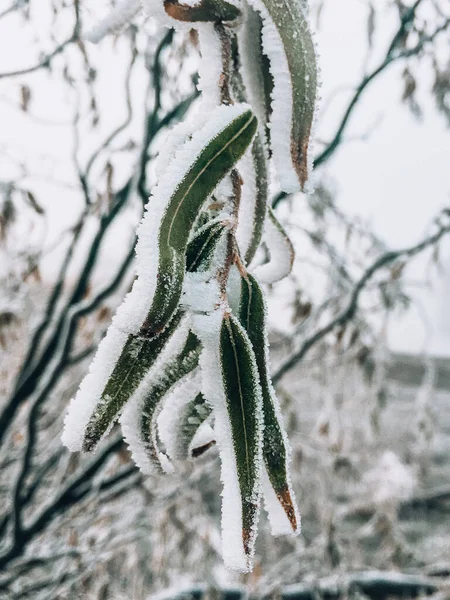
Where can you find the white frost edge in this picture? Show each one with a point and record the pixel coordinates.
(130, 419)
(82, 406)
(281, 255)
(133, 311)
(119, 16)
(169, 416)
(246, 215)
(207, 328)
(282, 101)
(279, 522)
(251, 72)
(210, 66)
(201, 292)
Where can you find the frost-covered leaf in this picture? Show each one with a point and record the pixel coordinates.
(281, 252)
(202, 11)
(138, 355)
(252, 314)
(139, 421)
(288, 43)
(217, 157)
(259, 199)
(243, 401)
(253, 67)
(253, 170)
(201, 247)
(191, 418)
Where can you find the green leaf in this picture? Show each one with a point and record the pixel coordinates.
(172, 372)
(259, 155)
(261, 192)
(215, 160)
(290, 20)
(243, 399)
(205, 10)
(252, 68)
(201, 247)
(193, 414)
(138, 355)
(252, 315)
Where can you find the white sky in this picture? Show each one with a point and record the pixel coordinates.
(400, 179)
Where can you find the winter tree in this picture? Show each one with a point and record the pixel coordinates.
(186, 135)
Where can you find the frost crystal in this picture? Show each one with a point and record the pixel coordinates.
(185, 363)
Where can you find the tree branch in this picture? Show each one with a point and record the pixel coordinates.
(353, 304)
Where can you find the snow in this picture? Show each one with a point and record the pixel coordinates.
(208, 329)
(121, 14)
(281, 253)
(251, 67)
(247, 205)
(279, 523)
(133, 311)
(210, 67)
(82, 406)
(168, 419)
(130, 419)
(282, 100)
(201, 292)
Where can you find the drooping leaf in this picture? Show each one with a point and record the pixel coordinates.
(138, 355)
(201, 247)
(252, 315)
(243, 400)
(288, 43)
(191, 417)
(281, 252)
(216, 159)
(171, 373)
(252, 67)
(261, 196)
(253, 204)
(202, 11)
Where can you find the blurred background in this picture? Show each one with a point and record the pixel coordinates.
(360, 332)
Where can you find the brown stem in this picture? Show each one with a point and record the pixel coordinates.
(225, 77)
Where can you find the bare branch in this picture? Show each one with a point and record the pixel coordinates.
(353, 304)
(45, 62)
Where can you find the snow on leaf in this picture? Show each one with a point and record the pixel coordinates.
(139, 419)
(190, 419)
(252, 67)
(281, 252)
(276, 451)
(203, 244)
(225, 138)
(138, 355)
(253, 205)
(116, 356)
(183, 414)
(288, 43)
(243, 400)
